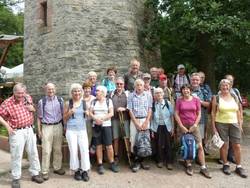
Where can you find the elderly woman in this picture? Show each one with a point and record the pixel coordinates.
(109, 82)
(76, 133)
(227, 121)
(163, 128)
(88, 98)
(187, 115)
(101, 111)
(92, 78)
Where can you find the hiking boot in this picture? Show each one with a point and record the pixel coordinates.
(226, 169)
(145, 166)
(85, 176)
(45, 176)
(100, 169)
(37, 179)
(169, 166)
(78, 175)
(136, 167)
(114, 167)
(159, 165)
(241, 172)
(15, 183)
(59, 172)
(189, 170)
(205, 173)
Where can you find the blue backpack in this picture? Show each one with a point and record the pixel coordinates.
(188, 148)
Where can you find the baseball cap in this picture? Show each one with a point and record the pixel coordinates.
(162, 77)
(181, 66)
(146, 75)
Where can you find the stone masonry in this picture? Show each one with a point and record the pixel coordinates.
(79, 36)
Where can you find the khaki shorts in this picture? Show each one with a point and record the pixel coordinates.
(116, 128)
(229, 132)
(196, 133)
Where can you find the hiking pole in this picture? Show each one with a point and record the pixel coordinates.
(121, 118)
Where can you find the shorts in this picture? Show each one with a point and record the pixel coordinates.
(102, 135)
(196, 133)
(229, 132)
(116, 128)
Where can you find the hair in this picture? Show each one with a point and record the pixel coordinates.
(111, 69)
(137, 81)
(92, 73)
(86, 84)
(153, 69)
(50, 83)
(186, 86)
(120, 78)
(225, 81)
(103, 89)
(158, 90)
(202, 73)
(195, 74)
(75, 86)
(134, 60)
(19, 86)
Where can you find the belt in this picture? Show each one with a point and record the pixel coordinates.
(26, 127)
(140, 117)
(52, 123)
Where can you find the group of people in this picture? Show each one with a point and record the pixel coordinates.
(96, 116)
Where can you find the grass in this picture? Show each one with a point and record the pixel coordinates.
(3, 131)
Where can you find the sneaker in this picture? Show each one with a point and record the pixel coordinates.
(189, 170)
(145, 166)
(205, 173)
(114, 167)
(169, 166)
(136, 167)
(241, 172)
(159, 165)
(85, 176)
(45, 176)
(226, 169)
(100, 169)
(78, 175)
(37, 179)
(59, 172)
(15, 183)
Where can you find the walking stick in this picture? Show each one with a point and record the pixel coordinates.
(121, 118)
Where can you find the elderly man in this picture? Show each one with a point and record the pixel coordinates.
(92, 78)
(140, 109)
(167, 89)
(50, 130)
(180, 79)
(16, 114)
(154, 72)
(205, 100)
(132, 75)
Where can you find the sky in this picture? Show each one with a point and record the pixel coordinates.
(18, 8)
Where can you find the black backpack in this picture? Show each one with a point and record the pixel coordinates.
(142, 146)
(83, 105)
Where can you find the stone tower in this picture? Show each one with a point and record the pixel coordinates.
(65, 39)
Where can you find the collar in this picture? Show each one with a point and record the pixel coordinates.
(50, 98)
(137, 95)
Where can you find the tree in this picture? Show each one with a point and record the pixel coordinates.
(203, 32)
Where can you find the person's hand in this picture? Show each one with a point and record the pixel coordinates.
(121, 109)
(98, 122)
(10, 131)
(172, 133)
(39, 134)
(192, 128)
(30, 107)
(145, 125)
(184, 129)
(214, 130)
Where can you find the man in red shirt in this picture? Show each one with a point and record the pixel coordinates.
(16, 114)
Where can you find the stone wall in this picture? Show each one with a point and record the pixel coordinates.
(82, 35)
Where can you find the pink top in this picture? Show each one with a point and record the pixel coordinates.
(188, 110)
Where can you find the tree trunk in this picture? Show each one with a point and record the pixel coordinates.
(207, 57)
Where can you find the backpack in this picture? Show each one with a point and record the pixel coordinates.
(188, 148)
(166, 104)
(60, 100)
(84, 106)
(142, 146)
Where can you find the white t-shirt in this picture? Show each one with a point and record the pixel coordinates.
(101, 109)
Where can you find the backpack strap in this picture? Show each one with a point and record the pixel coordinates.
(60, 100)
(43, 104)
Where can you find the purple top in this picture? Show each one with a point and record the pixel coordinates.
(52, 110)
(188, 110)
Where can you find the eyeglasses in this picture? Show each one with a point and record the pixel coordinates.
(119, 83)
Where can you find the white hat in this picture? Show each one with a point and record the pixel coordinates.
(181, 66)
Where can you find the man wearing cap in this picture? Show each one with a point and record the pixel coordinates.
(167, 89)
(180, 79)
(147, 80)
(16, 114)
(133, 74)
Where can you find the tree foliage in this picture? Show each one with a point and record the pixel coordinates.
(210, 35)
(11, 24)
